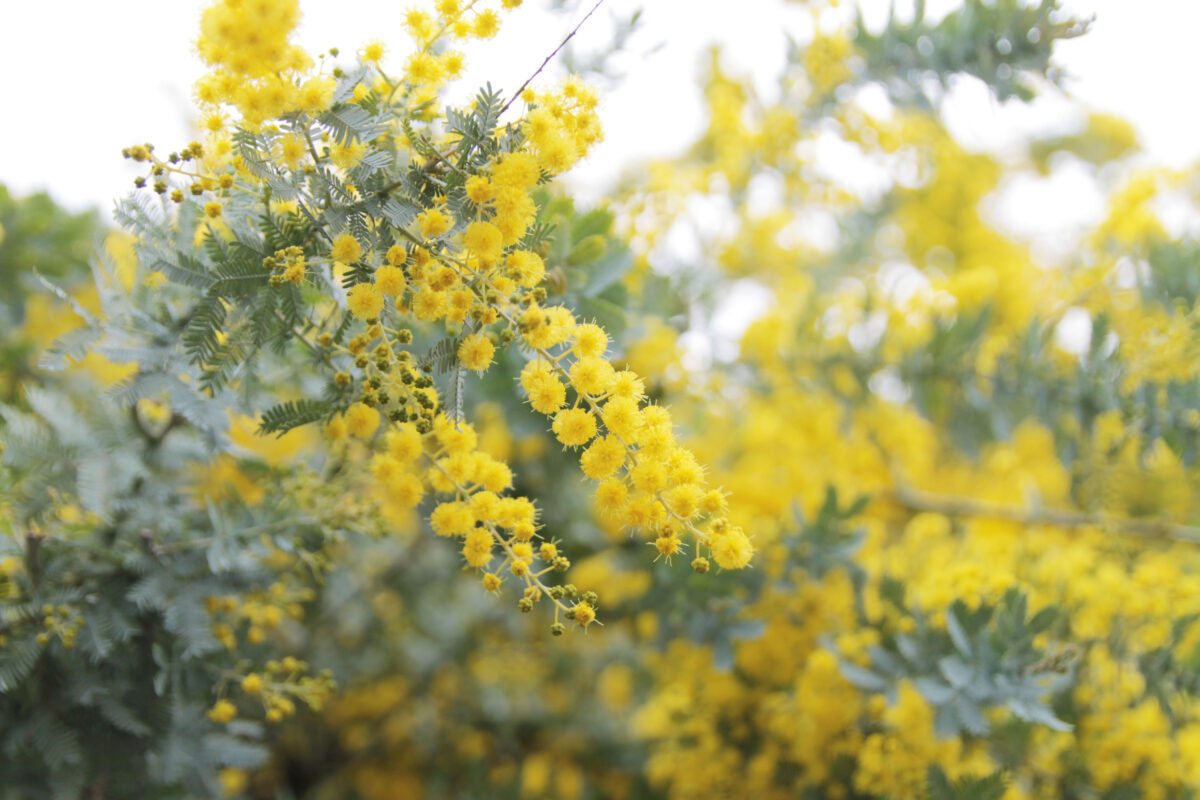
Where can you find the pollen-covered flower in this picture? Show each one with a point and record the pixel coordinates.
(233, 781)
(590, 340)
(434, 222)
(574, 426)
(429, 304)
(627, 384)
(493, 475)
(346, 249)
(611, 495)
(390, 280)
(404, 442)
(335, 429)
(487, 23)
(604, 457)
(316, 94)
(477, 548)
(667, 545)
(591, 375)
(424, 69)
(483, 239)
(517, 170)
(714, 502)
(396, 255)
(526, 268)
(479, 189)
(583, 614)
(365, 301)
(405, 490)
(222, 712)
(373, 52)
(622, 417)
(684, 500)
(546, 392)
(649, 475)
(361, 420)
(452, 63)
(732, 549)
(476, 351)
(452, 519)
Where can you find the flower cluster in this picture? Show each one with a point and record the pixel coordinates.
(646, 480)
(255, 615)
(276, 689)
(445, 240)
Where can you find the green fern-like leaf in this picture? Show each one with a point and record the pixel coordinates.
(442, 357)
(184, 270)
(348, 122)
(201, 339)
(120, 716)
(488, 104)
(538, 233)
(284, 417)
(939, 787)
(57, 744)
(17, 660)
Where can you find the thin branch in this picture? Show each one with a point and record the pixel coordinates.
(917, 500)
(531, 578)
(319, 352)
(155, 439)
(33, 558)
(561, 45)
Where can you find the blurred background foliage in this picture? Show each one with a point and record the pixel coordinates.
(970, 476)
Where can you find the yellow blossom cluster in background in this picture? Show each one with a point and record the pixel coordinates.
(907, 525)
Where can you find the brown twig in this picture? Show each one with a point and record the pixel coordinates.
(916, 500)
(561, 45)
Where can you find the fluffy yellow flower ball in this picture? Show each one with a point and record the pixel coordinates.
(591, 375)
(476, 352)
(346, 249)
(222, 712)
(433, 223)
(526, 268)
(396, 255)
(365, 301)
(452, 519)
(390, 280)
(603, 458)
(574, 426)
(404, 442)
(361, 420)
(516, 170)
(583, 614)
(484, 240)
(477, 549)
(479, 189)
(732, 549)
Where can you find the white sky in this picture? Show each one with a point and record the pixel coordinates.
(82, 79)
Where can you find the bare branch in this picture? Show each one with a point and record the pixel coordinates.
(916, 500)
(561, 45)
